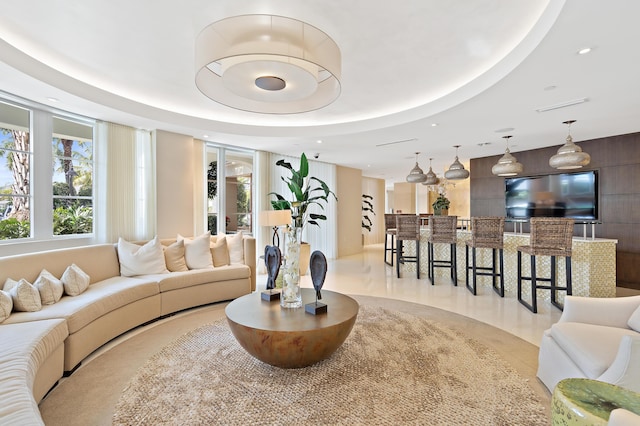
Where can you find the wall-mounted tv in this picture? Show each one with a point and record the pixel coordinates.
(572, 195)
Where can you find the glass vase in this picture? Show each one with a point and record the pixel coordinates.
(291, 296)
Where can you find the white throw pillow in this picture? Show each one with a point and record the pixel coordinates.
(25, 296)
(196, 251)
(235, 247)
(75, 280)
(49, 286)
(6, 305)
(634, 320)
(141, 260)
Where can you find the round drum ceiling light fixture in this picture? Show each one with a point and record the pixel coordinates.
(267, 64)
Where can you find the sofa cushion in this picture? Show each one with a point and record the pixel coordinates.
(196, 251)
(49, 287)
(26, 298)
(74, 280)
(235, 247)
(31, 345)
(592, 347)
(192, 278)
(6, 305)
(634, 320)
(220, 252)
(99, 299)
(174, 257)
(141, 260)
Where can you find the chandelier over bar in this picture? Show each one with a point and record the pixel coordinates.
(267, 64)
(507, 165)
(416, 175)
(570, 155)
(432, 179)
(456, 169)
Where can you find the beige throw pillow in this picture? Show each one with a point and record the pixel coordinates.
(196, 251)
(49, 287)
(75, 280)
(6, 305)
(141, 260)
(25, 296)
(236, 249)
(174, 257)
(634, 320)
(219, 252)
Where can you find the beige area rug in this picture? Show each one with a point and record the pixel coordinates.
(394, 368)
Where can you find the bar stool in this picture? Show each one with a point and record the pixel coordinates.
(549, 237)
(407, 229)
(443, 230)
(389, 230)
(486, 232)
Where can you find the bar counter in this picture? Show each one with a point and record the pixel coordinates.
(593, 264)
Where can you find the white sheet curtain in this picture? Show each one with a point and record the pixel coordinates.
(124, 155)
(324, 237)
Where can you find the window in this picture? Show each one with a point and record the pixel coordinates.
(15, 172)
(212, 191)
(72, 177)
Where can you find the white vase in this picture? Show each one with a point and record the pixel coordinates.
(291, 296)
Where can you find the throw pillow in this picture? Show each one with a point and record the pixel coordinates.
(25, 296)
(219, 252)
(236, 249)
(50, 287)
(141, 260)
(75, 280)
(174, 257)
(634, 320)
(6, 305)
(196, 251)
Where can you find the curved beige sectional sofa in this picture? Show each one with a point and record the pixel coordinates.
(38, 348)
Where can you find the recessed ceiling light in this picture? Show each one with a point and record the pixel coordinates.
(505, 130)
(584, 51)
(52, 99)
(319, 141)
(434, 124)
(484, 143)
(205, 136)
(548, 88)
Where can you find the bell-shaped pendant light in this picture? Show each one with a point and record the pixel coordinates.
(416, 175)
(432, 179)
(507, 165)
(570, 155)
(456, 170)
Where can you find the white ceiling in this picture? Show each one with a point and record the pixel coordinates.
(471, 67)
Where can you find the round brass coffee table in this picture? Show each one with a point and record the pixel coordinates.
(291, 338)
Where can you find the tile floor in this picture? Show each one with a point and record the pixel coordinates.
(367, 274)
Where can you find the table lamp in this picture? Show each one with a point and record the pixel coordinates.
(275, 218)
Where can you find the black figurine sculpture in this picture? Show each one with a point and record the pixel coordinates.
(272, 259)
(318, 267)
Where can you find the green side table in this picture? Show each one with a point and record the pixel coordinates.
(589, 402)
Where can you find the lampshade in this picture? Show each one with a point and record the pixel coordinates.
(267, 64)
(275, 217)
(416, 175)
(570, 155)
(456, 170)
(507, 165)
(432, 179)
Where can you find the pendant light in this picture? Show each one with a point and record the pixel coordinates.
(507, 165)
(416, 175)
(570, 155)
(432, 179)
(456, 170)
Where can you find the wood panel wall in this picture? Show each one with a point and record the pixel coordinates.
(617, 159)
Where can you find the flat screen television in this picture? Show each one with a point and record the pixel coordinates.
(573, 195)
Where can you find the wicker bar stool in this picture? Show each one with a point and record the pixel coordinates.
(486, 232)
(389, 231)
(443, 230)
(549, 237)
(407, 229)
